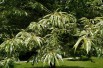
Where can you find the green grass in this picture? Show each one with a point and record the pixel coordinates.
(98, 63)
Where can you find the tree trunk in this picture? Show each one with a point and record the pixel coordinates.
(52, 65)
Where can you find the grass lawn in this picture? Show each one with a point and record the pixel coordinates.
(98, 63)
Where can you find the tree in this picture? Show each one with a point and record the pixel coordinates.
(51, 27)
(54, 25)
(88, 36)
(54, 35)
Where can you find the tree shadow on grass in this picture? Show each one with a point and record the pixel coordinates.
(58, 67)
(68, 66)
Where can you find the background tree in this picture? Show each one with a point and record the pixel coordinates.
(16, 15)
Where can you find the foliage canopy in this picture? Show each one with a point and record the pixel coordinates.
(62, 28)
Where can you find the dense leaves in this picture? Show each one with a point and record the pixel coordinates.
(58, 29)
